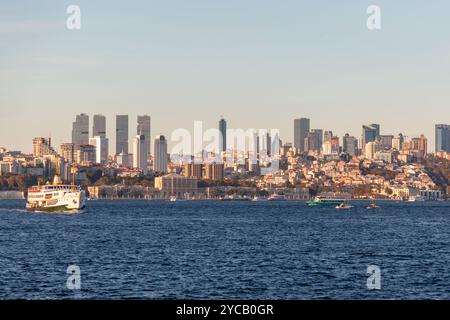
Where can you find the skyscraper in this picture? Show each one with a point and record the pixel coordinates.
(386, 140)
(369, 134)
(140, 153)
(101, 148)
(397, 143)
(223, 132)
(99, 126)
(160, 157)
(442, 132)
(377, 128)
(144, 128)
(371, 148)
(313, 141)
(319, 132)
(80, 129)
(121, 134)
(350, 145)
(301, 129)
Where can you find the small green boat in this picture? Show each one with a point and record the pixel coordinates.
(323, 201)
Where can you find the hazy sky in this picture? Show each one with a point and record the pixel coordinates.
(259, 63)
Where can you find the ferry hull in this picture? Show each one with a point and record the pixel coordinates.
(56, 209)
(324, 203)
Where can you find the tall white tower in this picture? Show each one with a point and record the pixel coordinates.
(140, 153)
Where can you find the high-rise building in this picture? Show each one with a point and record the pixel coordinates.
(442, 141)
(371, 148)
(419, 146)
(214, 171)
(42, 147)
(397, 143)
(377, 128)
(350, 145)
(80, 129)
(144, 128)
(319, 132)
(124, 159)
(386, 140)
(193, 170)
(301, 129)
(68, 152)
(223, 133)
(121, 134)
(264, 143)
(369, 134)
(327, 135)
(140, 153)
(313, 141)
(99, 126)
(335, 146)
(101, 145)
(160, 157)
(85, 154)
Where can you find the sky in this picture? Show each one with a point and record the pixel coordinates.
(258, 63)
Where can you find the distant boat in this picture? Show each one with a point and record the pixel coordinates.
(416, 198)
(324, 201)
(259, 199)
(173, 199)
(235, 198)
(276, 197)
(344, 206)
(372, 206)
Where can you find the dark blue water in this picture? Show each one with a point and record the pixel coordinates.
(226, 250)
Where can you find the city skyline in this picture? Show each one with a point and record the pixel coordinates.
(246, 64)
(123, 121)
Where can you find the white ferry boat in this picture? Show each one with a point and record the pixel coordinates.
(56, 197)
(276, 197)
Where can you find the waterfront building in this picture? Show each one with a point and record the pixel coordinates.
(122, 134)
(101, 145)
(301, 129)
(176, 185)
(80, 129)
(99, 126)
(140, 153)
(144, 128)
(160, 154)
